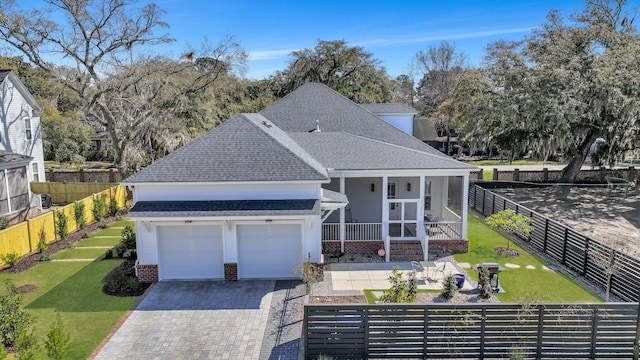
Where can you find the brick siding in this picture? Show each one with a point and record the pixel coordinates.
(147, 273)
(230, 271)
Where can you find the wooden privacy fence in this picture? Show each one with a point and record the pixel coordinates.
(23, 238)
(471, 331)
(572, 249)
(68, 192)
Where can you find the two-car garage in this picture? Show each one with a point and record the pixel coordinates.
(194, 251)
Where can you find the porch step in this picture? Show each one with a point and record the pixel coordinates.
(406, 250)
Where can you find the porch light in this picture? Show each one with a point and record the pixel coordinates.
(408, 186)
(373, 187)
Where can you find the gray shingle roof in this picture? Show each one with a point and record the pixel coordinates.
(146, 209)
(240, 149)
(389, 108)
(299, 110)
(342, 151)
(7, 158)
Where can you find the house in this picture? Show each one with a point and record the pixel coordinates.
(398, 115)
(312, 174)
(15, 194)
(438, 134)
(20, 131)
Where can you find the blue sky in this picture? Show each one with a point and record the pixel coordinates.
(393, 31)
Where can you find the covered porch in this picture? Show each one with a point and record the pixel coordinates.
(401, 215)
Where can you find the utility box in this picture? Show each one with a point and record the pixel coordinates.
(46, 200)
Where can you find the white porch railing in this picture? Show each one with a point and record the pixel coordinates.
(354, 231)
(444, 230)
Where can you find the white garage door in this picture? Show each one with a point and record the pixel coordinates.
(269, 251)
(190, 252)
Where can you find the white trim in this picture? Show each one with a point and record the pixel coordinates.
(205, 219)
(465, 207)
(399, 173)
(185, 183)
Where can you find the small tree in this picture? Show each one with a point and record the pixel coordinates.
(78, 214)
(310, 274)
(402, 290)
(26, 345)
(58, 341)
(510, 222)
(98, 207)
(113, 204)
(127, 246)
(13, 318)
(62, 229)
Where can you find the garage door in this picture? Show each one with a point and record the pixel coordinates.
(269, 251)
(190, 252)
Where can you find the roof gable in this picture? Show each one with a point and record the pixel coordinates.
(242, 149)
(9, 75)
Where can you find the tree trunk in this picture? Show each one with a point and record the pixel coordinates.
(578, 156)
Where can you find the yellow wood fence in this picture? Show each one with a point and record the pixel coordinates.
(23, 238)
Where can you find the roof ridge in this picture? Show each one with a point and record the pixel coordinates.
(308, 159)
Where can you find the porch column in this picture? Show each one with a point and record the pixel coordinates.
(385, 203)
(6, 186)
(465, 204)
(343, 227)
(420, 213)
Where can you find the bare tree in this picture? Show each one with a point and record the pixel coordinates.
(437, 68)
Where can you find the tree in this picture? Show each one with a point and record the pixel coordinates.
(510, 222)
(438, 67)
(58, 341)
(562, 88)
(64, 139)
(349, 70)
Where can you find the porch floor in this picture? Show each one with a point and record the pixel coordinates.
(355, 277)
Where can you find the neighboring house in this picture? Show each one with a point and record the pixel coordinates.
(312, 174)
(20, 132)
(438, 134)
(398, 115)
(15, 194)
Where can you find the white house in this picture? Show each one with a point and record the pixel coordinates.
(20, 132)
(312, 174)
(398, 115)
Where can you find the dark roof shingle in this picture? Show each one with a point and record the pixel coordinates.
(146, 209)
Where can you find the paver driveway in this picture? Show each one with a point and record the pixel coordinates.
(211, 320)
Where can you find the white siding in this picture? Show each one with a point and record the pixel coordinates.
(402, 122)
(15, 109)
(180, 192)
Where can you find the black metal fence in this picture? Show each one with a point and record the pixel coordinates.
(471, 331)
(572, 249)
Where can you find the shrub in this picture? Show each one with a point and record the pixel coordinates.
(62, 229)
(3, 352)
(401, 291)
(484, 283)
(78, 214)
(113, 206)
(44, 257)
(121, 280)
(510, 222)
(11, 259)
(127, 246)
(450, 287)
(13, 318)
(98, 207)
(58, 342)
(108, 254)
(309, 274)
(42, 241)
(26, 345)
(103, 225)
(4, 223)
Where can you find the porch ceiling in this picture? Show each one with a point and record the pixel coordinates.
(332, 200)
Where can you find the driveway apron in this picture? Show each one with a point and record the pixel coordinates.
(204, 320)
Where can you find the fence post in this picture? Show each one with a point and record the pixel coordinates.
(305, 326)
(482, 330)
(484, 198)
(586, 256)
(516, 174)
(365, 323)
(564, 245)
(495, 174)
(540, 321)
(545, 174)
(425, 327)
(481, 174)
(81, 174)
(493, 203)
(546, 229)
(594, 332)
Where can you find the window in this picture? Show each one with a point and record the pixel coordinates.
(391, 194)
(427, 195)
(27, 127)
(34, 171)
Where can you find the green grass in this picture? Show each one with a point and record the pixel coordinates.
(487, 174)
(74, 290)
(522, 284)
(98, 242)
(79, 253)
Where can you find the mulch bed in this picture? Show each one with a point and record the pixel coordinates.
(30, 260)
(507, 252)
(352, 299)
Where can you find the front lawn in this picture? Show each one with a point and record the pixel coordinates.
(521, 284)
(74, 290)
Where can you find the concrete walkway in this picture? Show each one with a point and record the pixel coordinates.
(348, 277)
(211, 320)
